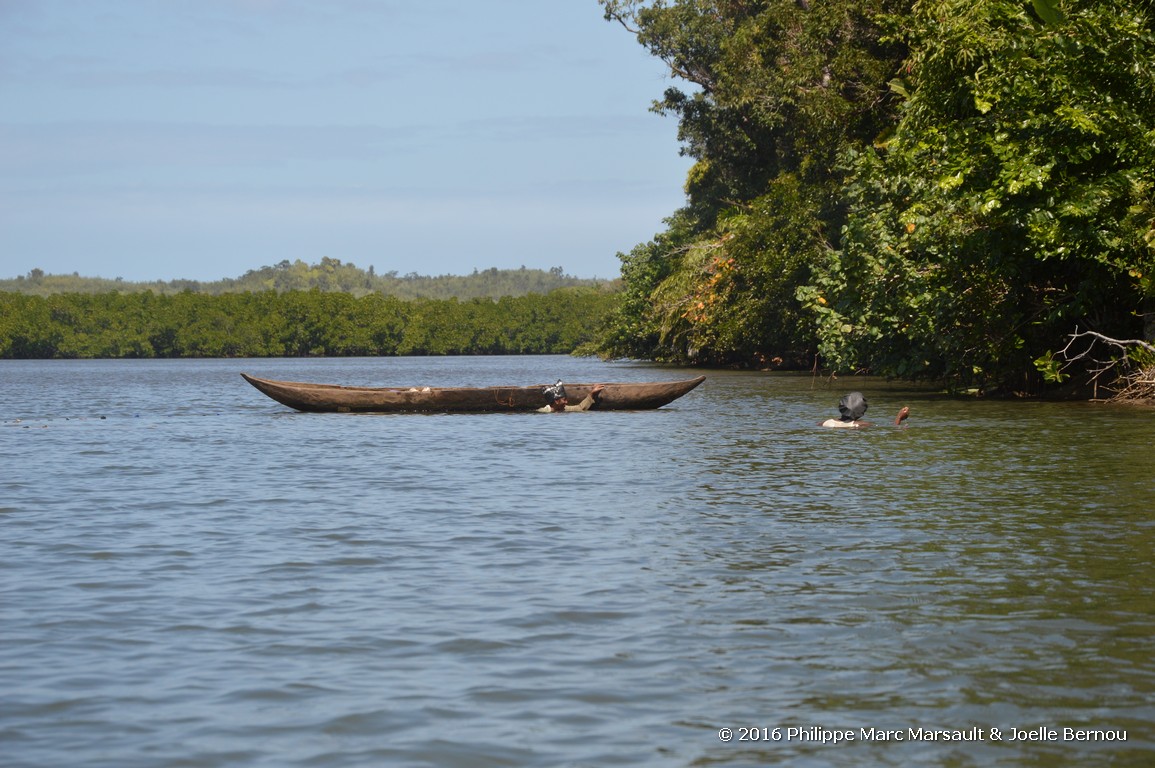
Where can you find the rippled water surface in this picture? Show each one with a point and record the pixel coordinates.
(194, 575)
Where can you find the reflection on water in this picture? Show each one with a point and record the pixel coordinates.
(194, 575)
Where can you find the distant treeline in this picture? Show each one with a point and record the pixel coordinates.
(295, 324)
(330, 275)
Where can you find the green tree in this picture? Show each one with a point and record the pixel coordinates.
(296, 323)
(732, 298)
(780, 90)
(1013, 204)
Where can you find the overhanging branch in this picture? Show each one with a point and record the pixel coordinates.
(1132, 381)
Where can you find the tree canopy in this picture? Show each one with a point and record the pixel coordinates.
(329, 275)
(926, 189)
(295, 324)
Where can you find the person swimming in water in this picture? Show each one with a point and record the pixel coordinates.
(852, 407)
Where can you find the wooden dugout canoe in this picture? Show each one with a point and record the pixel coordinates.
(332, 398)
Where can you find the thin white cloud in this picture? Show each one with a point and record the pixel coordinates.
(54, 152)
(91, 72)
(95, 72)
(68, 149)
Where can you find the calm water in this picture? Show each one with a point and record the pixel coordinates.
(194, 575)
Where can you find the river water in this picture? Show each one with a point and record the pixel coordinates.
(194, 575)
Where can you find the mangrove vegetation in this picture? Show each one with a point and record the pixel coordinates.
(295, 324)
(328, 275)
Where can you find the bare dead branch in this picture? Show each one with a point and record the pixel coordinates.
(1130, 382)
(1121, 343)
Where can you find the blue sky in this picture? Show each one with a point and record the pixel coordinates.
(165, 139)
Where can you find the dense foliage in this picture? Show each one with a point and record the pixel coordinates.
(943, 189)
(327, 275)
(1013, 205)
(781, 89)
(296, 323)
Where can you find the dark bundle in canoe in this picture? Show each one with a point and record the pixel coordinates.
(332, 398)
